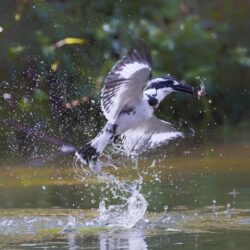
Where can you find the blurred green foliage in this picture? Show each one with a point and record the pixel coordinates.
(55, 55)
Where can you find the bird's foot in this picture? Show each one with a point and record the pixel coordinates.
(87, 154)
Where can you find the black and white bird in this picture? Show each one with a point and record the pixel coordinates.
(128, 101)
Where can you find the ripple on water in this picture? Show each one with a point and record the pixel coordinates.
(56, 220)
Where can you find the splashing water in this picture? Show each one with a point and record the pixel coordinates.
(125, 215)
(70, 226)
(134, 204)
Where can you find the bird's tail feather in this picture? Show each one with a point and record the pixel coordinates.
(87, 153)
(91, 151)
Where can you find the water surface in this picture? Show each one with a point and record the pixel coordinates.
(198, 199)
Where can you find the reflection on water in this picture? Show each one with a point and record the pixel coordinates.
(132, 239)
(192, 228)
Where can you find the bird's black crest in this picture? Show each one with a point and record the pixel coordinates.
(161, 82)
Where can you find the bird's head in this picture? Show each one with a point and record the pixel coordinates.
(160, 87)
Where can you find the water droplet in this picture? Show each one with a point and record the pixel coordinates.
(7, 96)
(165, 208)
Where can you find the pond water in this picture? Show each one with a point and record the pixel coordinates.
(197, 199)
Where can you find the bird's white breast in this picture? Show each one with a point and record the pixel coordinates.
(141, 113)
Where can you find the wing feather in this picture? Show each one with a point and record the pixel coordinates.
(149, 135)
(126, 81)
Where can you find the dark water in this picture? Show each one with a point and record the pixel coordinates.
(196, 200)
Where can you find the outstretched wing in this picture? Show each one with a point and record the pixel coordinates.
(125, 82)
(149, 135)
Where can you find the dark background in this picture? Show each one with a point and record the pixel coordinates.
(56, 54)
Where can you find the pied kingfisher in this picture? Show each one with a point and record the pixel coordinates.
(128, 101)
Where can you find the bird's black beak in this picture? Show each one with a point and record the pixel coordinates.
(185, 88)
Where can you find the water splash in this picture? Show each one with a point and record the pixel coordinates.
(70, 226)
(125, 215)
(133, 206)
(132, 209)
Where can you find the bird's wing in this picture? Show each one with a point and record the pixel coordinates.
(148, 135)
(126, 81)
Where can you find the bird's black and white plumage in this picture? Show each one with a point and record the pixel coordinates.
(128, 100)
